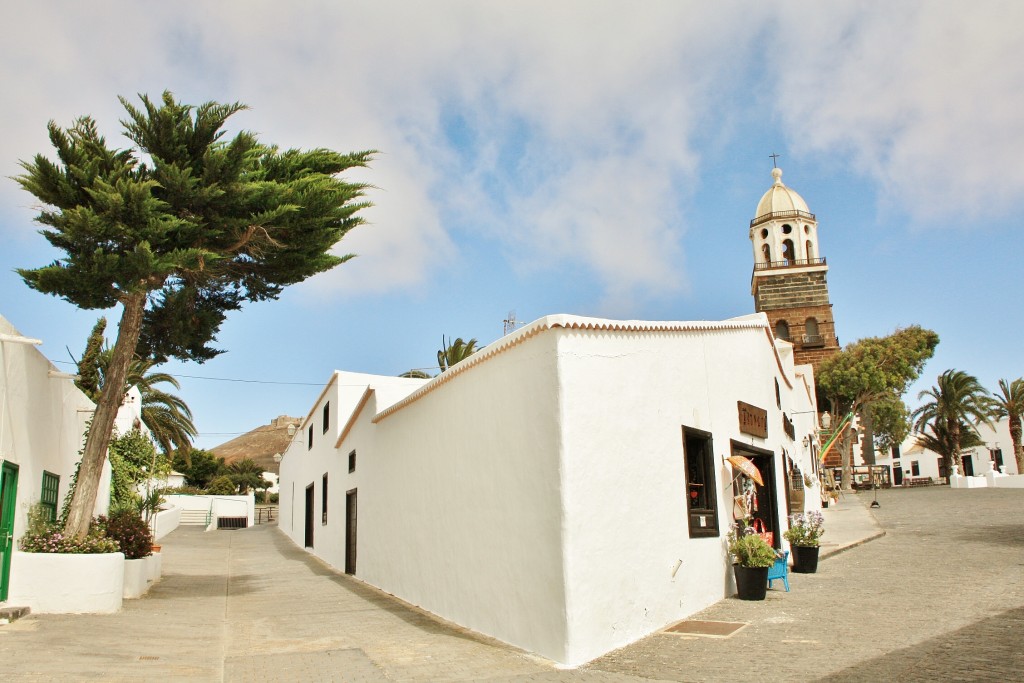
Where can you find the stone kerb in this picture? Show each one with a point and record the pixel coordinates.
(58, 583)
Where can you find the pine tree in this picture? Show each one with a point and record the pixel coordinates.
(179, 229)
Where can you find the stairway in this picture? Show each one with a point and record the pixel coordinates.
(193, 517)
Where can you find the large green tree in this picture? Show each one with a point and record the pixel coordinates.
(874, 371)
(200, 467)
(1009, 403)
(180, 228)
(953, 406)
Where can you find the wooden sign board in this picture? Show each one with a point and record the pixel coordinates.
(753, 420)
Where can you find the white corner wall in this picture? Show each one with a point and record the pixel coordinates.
(539, 496)
(459, 503)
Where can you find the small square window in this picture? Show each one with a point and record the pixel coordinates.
(352, 461)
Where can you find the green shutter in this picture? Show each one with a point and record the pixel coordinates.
(48, 498)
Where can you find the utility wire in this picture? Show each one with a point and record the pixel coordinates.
(242, 381)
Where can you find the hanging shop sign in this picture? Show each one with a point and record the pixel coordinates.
(787, 426)
(753, 420)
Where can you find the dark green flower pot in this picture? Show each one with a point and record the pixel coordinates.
(751, 582)
(805, 559)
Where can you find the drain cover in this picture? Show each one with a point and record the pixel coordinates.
(707, 629)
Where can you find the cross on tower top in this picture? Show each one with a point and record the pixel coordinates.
(774, 156)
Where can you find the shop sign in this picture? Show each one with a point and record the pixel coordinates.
(753, 420)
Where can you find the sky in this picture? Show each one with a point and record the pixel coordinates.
(592, 158)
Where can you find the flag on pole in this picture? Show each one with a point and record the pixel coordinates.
(835, 436)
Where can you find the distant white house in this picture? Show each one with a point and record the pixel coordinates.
(43, 418)
(913, 461)
(566, 489)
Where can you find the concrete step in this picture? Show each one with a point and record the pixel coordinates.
(193, 517)
(9, 614)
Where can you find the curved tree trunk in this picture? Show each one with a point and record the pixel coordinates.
(112, 395)
(1018, 448)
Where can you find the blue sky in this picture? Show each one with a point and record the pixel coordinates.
(593, 158)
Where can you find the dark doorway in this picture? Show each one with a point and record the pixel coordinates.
(350, 532)
(968, 462)
(309, 516)
(897, 474)
(767, 495)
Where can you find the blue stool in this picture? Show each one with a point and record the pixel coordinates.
(780, 570)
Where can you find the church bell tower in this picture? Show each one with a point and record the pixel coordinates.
(790, 281)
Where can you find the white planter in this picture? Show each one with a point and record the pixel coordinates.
(55, 583)
(135, 582)
(154, 565)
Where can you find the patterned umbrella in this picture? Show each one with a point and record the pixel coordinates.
(747, 467)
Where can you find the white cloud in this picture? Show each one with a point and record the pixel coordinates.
(586, 121)
(925, 98)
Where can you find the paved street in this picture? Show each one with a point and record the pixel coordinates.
(939, 597)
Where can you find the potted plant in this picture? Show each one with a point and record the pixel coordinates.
(804, 535)
(752, 557)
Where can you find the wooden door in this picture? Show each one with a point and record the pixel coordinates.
(8, 500)
(350, 532)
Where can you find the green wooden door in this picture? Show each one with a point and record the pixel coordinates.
(8, 497)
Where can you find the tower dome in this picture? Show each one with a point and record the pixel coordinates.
(780, 198)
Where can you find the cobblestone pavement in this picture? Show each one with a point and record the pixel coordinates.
(939, 597)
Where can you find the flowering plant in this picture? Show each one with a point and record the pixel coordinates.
(805, 529)
(127, 528)
(44, 536)
(748, 549)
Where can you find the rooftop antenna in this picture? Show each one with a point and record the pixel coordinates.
(510, 323)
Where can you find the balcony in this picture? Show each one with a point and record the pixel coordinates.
(810, 341)
(764, 218)
(791, 263)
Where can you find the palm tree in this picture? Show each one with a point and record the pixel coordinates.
(245, 474)
(938, 440)
(454, 351)
(416, 373)
(958, 401)
(166, 415)
(1009, 403)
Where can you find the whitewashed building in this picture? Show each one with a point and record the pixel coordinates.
(912, 462)
(43, 417)
(566, 489)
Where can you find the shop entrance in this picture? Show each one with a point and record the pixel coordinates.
(766, 498)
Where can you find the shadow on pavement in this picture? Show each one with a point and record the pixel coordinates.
(987, 650)
(421, 620)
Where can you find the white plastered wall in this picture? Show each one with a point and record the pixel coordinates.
(42, 424)
(459, 506)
